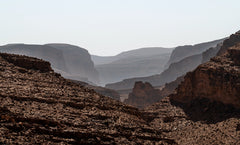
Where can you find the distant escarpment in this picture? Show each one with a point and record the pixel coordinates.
(183, 59)
(143, 94)
(70, 61)
(79, 63)
(182, 52)
(217, 80)
(134, 63)
(39, 106)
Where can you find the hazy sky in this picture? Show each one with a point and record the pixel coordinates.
(107, 27)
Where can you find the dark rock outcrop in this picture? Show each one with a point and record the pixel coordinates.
(233, 40)
(142, 95)
(44, 108)
(27, 62)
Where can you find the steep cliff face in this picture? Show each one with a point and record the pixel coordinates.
(79, 63)
(217, 80)
(182, 52)
(38, 106)
(142, 95)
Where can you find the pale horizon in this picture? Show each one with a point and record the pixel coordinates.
(107, 28)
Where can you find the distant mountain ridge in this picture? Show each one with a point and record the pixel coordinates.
(141, 52)
(182, 52)
(71, 61)
(134, 63)
(192, 57)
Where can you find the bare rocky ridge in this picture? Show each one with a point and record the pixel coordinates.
(38, 106)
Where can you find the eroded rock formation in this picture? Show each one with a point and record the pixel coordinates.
(143, 94)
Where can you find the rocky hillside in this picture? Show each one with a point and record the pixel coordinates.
(200, 123)
(38, 106)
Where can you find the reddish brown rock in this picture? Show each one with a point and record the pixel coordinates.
(143, 94)
(233, 40)
(217, 80)
(27, 62)
(37, 106)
